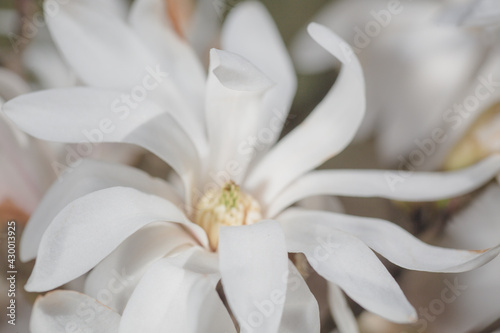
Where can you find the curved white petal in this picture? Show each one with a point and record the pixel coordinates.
(233, 107)
(394, 184)
(325, 132)
(346, 261)
(391, 241)
(65, 311)
(91, 227)
(340, 310)
(90, 116)
(172, 299)
(114, 279)
(254, 270)
(301, 311)
(88, 177)
(249, 31)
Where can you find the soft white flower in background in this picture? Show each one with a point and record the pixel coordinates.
(153, 250)
(419, 60)
(437, 59)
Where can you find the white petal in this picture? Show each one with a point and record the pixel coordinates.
(114, 279)
(171, 299)
(341, 312)
(91, 227)
(88, 177)
(301, 311)
(97, 44)
(65, 311)
(392, 241)
(150, 20)
(254, 270)
(394, 184)
(184, 88)
(233, 105)
(325, 132)
(249, 31)
(346, 261)
(91, 116)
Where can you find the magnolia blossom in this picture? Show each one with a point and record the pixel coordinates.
(156, 250)
(430, 66)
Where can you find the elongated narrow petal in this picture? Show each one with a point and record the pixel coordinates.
(254, 270)
(171, 299)
(235, 89)
(341, 312)
(346, 261)
(250, 31)
(301, 311)
(88, 177)
(90, 116)
(114, 279)
(325, 133)
(391, 241)
(60, 311)
(396, 185)
(91, 227)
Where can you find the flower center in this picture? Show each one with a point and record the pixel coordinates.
(227, 206)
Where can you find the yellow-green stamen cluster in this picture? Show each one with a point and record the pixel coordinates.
(227, 206)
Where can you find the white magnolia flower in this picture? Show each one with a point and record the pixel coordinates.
(424, 61)
(156, 251)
